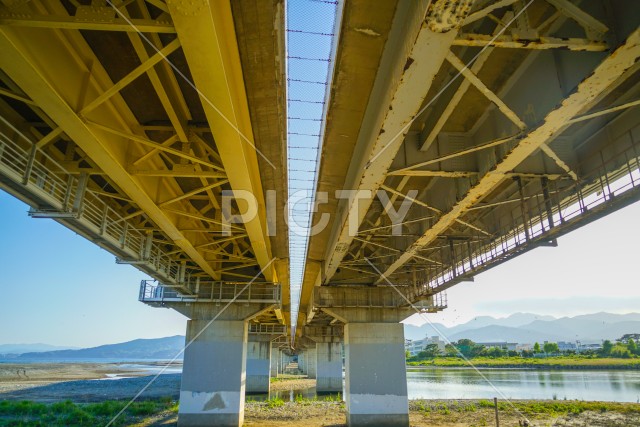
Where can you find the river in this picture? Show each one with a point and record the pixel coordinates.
(466, 383)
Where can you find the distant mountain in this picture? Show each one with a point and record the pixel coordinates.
(33, 348)
(515, 320)
(157, 348)
(505, 333)
(529, 328)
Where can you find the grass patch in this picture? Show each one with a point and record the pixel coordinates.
(275, 402)
(548, 362)
(67, 413)
(529, 408)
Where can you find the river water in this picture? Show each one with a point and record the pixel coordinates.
(466, 383)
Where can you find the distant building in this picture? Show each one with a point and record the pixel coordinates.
(416, 346)
(586, 347)
(567, 346)
(511, 346)
(524, 347)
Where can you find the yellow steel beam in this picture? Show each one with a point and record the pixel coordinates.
(44, 65)
(71, 23)
(15, 96)
(152, 144)
(137, 72)
(426, 42)
(605, 77)
(177, 173)
(207, 34)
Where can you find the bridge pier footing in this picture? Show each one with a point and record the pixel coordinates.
(376, 377)
(212, 389)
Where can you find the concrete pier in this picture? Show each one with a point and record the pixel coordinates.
(258, 365)
(274, 362)
(310, 355)
(375, 374)
(329, 367)
(302, 362)
(213, 378)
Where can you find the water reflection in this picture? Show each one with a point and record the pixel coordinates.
(466, 383)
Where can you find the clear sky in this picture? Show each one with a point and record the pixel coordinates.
(593, 269)
(58, 288)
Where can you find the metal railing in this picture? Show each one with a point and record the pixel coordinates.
(614, 183)
(41, 175)
(384, 296)
(266, 329)
(257, 292)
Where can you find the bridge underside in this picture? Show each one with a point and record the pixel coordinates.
(490, 127)
(518, 127)
(471, 132)
(127, 121)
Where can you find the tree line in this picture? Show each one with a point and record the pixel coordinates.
(624, 347)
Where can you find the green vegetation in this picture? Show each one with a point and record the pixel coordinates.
(286, 377)
(559, 362)
(274, 402)
(300, 399)
(624, 353)
(527, 408)
(67, 413)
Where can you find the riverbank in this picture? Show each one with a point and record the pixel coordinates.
(81, 382)
(275, 413)
(549, 363)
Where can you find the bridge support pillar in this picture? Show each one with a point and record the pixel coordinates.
(212, 388)
(375, 389)
(329, 367)
(310, 354)
(274, 361)
(302, 362)
(213, 385)
(328, 347)
(375, 375)
(258, 360)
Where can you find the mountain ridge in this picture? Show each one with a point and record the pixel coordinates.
(141, 348)
(587, 328)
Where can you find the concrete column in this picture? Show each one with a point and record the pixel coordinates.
(375, 375)
(274, 362)
(302, 362)
(212, 388)
(258, 359)
(311, 362)
(329, 367)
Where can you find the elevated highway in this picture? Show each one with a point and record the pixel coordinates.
(464, 132)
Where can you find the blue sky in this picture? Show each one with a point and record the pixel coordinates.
(58, 288)
(310, 25)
